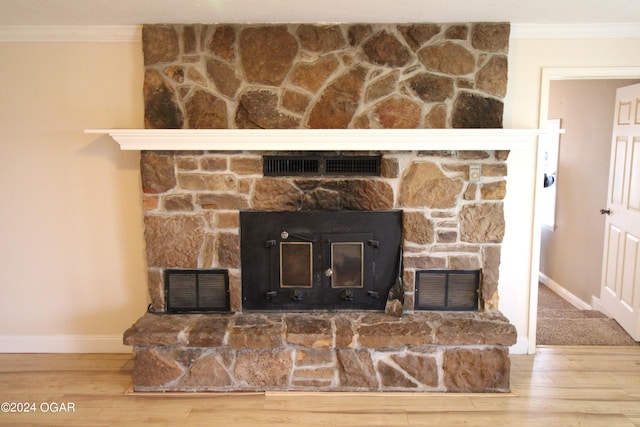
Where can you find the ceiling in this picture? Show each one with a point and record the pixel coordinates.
(132, 12)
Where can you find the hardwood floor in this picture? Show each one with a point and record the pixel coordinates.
(560, 386)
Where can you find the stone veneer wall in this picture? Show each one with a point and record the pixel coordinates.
(192, 203)
(324, 76)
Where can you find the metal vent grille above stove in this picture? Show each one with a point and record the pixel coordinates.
(353, 165)
(321, 165)
(290, 165)
(196, 290)
(447, 290)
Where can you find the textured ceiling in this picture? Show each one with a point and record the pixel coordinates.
(131, 12)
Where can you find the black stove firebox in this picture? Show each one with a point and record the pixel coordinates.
(319, 260)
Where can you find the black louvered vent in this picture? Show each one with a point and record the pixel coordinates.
(290, 165)
(356, 165)
(196, 290)
(447, 290)
(321, 165)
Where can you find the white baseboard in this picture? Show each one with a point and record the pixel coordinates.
(520, 347)
(565, 294)
(62, 344)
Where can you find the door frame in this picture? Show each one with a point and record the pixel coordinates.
(549, 74)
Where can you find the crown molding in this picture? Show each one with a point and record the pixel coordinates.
(133, 33)
(71, 33)
(575, 31)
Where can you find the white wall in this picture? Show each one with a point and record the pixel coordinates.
(72, 268)
(72, 274)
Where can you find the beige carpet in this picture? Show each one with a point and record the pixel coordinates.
(560, 323)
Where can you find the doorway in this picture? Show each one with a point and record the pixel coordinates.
(585, 170)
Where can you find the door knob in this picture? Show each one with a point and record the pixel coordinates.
(605, 211)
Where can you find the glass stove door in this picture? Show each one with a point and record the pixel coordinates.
(347, 264)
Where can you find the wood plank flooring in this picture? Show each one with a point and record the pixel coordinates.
(559, 386)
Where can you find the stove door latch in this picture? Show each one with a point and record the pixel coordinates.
(346, 295)
(295, 295)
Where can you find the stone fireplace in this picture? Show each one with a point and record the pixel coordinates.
(357, 76)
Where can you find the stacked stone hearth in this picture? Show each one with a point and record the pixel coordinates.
(311, 76)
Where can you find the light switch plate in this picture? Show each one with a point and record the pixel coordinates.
(474, 173)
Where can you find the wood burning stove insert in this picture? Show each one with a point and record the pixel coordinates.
(319, 260)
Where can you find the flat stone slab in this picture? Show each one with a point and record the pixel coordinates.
(345, 351)
(321, 330)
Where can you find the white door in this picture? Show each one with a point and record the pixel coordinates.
(620, 294)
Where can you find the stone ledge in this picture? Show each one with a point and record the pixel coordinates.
(320, 330)
(363, 351)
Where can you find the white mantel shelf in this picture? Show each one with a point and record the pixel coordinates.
(321, 139)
